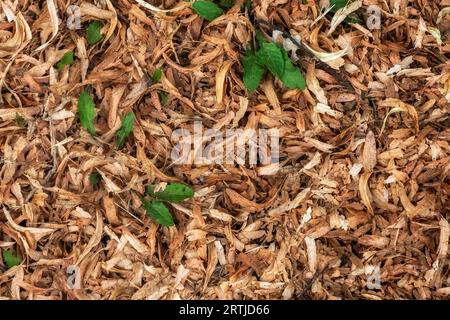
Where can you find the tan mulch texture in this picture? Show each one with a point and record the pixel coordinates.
(364, 181)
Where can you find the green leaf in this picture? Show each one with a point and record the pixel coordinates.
(65, 60)
(292, 77)
(10, 259)
(207, 9)
(271, 56)
(253, 71)
(94, 178)
(338, 4)
(158, 212)
(163, 97)
(125, 129)
(226, 3)
(174, 192)
(157, 75)
(86, 110)
(93, 34)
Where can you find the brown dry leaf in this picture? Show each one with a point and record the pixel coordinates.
(364, 190)
(94, 240)
(400, 106)
(36, 233)
(314, 86)
(54, 21)
(299, 198)
(220, 80)
(373, 241)
(243, 105)
(269, 91)
(312, 253)
(110, 210)
(443, 238)
(369, 155)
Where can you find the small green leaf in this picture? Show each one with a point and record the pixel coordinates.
(65, 60)
(125, 129)
(157, 75)
(94, 178)
(158, 211)
(207, 9)
(86, 110)
(93, 34)
(292, 77)
(226, 3)
(271, 56)
(163, 98)
(174, 192)
(338, 4)
(253, 71)
(10, 259)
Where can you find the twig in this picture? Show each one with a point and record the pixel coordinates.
(302, 294)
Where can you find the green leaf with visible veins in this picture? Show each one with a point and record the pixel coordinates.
(253, 71)
(158, 212)
(65, 60)
(93, 34)
(125, 129)
(86, 110)
(271, 56)
(292, 77)
(174, 192)
(207, 9)
(10, 259)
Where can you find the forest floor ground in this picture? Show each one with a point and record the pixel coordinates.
(357, 206)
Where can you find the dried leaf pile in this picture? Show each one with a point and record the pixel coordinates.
(364, 177)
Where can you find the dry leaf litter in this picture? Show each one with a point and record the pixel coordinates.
(364, 177)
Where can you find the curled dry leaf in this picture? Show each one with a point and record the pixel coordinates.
(364, 190)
